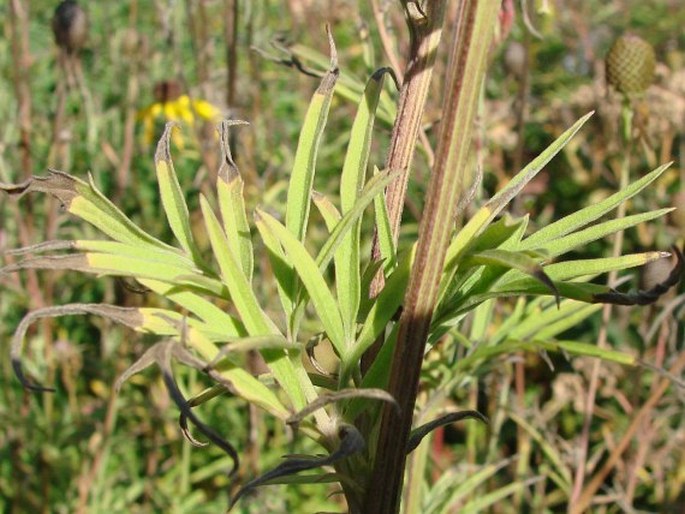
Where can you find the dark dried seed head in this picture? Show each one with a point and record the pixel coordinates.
(70, 26)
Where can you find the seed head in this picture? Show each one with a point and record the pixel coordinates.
(630, 65)
(70, 26)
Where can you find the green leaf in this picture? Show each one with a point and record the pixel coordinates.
(84, 200)
(377, 375)
(570, 241)
(330, 214)
(550, 322)
(568, 270)
(294, 382)
(220, 321)
(325, 305)
(241, 382)
(282, 268)
(372, 189)
(513, 260)
(590, 213)
(121, 265)
(592, 350)
(158, 255)
(487, 213)
(230, 186)
(255, 320)
(383, 309)
(384, 231)
(172, 196)
(302, 177)
(347, 258)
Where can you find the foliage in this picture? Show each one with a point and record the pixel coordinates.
(210, 304)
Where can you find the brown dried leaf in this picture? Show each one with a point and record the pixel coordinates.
(131, 317)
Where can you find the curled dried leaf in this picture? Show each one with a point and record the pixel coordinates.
(651, 295)
(45, 246)
(131, 317)
(161, 354)
(72, 262)
(351, 442)
(59, 184)
(228, 168)
(201, 398)
(419, 433)
(343, 394)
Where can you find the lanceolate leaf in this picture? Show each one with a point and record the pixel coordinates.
(347, 258)
(383, 309)
(569, 242)
(330, 214)
(308, 272)
(279, 260)
(590, 213)
(487, 213)
(372, 189)
(568, 270)
(513, 260)
(488, 353)
(237, 379)
(255, 320)
(84, 200)
(232, 203)
(163, 256)
(650, 295)
(173, 200)
(302, 177)
(120, 265)
(548, 323)
(282, 269)
(220, 321)
(384, 231)
(351, 442)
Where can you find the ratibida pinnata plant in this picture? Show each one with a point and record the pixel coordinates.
(488, 258)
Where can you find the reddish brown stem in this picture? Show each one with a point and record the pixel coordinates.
(425, 37)
(465, 75)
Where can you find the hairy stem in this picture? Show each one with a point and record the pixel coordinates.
(476, 21)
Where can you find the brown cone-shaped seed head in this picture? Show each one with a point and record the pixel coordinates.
(70, 26)
(630, 65)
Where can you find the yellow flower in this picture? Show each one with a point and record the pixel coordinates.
(170, 106)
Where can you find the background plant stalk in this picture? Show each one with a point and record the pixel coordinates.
(476, 21)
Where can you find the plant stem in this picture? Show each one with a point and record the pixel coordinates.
(425, 37)
(469, 50)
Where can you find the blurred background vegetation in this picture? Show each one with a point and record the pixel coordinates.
(100, 109)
